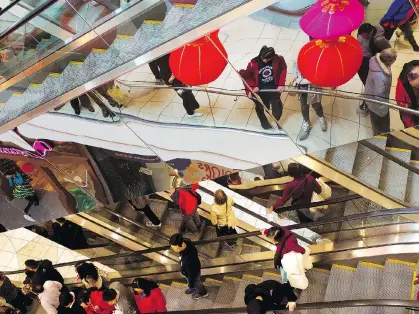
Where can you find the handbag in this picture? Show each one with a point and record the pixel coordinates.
(325, 194)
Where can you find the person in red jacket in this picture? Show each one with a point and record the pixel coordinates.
(407, 92)
(187, 200)
(267, 71)
(300, 190)
(148, 296)
(92, 302)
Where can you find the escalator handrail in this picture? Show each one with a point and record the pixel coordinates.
(379, 213)
(27, 18)
(231, 237)
(286, 90)
(9, 6)
(318, 305)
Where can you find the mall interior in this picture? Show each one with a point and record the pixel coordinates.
(209, 156)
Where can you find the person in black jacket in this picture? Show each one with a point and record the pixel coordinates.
(12, 295)
(69, 234)
(190, 265)
(42, 271)
(69, 304)
(269, 295)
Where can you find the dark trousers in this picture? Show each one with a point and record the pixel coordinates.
(189, 101)
(148, 213)
(154, 67)
(363, 70)
(406, 28)
(269, 99)
(20, 302)
(191, 222)
(197, 285)
(305, 107)
(31, 199)
(302, 216)
(380, 125)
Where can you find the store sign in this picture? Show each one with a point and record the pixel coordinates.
(41, 147)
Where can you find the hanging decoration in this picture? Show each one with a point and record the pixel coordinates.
(199, 62)
(330, 62)
(332, 18)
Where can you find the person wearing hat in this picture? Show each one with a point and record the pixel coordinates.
(267, 71)
(269, 295)
(148, 296)
(378, 87)
(190, 266)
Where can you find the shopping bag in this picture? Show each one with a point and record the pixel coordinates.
(325, 194)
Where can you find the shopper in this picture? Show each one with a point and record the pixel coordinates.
(190, 265)
(269, 295)
(223, 217)
(141, 204)
(22, 189)
(292, 257)
(234, 179)
(49, 295)
(161, 70)
(12, 295)
(68, 303)
(42, 271)
(89, 275)
(300, 190)
(91, 300)
(266, 71)
(69, 234)
(372, 40)
(378, 87)
(188, 201)
(148, 296)
(407, 92)
(400, 15)
(307, 99)
(121, 297)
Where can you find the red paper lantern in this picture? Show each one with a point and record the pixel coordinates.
(331, 62)
(199, 62)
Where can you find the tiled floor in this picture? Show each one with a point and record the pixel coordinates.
(19, 245)
(243, 40)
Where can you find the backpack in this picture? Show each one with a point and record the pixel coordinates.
(197, 196)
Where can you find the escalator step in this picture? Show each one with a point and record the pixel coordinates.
(368, 166)
(318, 279)
(211, 249)
(249, 248)
(368, 277)
(271, 275)
(213, 287)
(412, 197)
(343, 157)
(176, 298)
(339, 286)
(227, 292)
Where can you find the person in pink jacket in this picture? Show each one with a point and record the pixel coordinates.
(49, 295)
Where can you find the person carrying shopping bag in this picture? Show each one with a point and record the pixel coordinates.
(292, 257)
(223, 217)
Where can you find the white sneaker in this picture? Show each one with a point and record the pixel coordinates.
(27, 217)
(323, 124)
(196, 115)
(151, 225)
(305, 130)
(362, 110)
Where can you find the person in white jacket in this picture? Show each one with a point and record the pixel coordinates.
(307, 99)
(49, 295)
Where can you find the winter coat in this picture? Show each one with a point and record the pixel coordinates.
(186, 201)
(274, 294)
(378, 85)
(374, 45)
(8, 291)
(70, 235)
(300, 192)
(190, 265)
(125, 304)
(97, 305)
(399, 13)
(50, 297)
(223, 215)
(251, 74)
(46, 272)
(406, 97)
(154, 303)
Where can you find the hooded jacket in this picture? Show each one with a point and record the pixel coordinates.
(223, 215)
(274, 294)
(399, 13)
(190, 265)
(154, 303)
(251, 74)
(378, 85)
(50, 297)
(8, 291)
(186, 201)
(406, 97)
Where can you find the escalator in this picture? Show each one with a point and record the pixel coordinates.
(133, 35)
